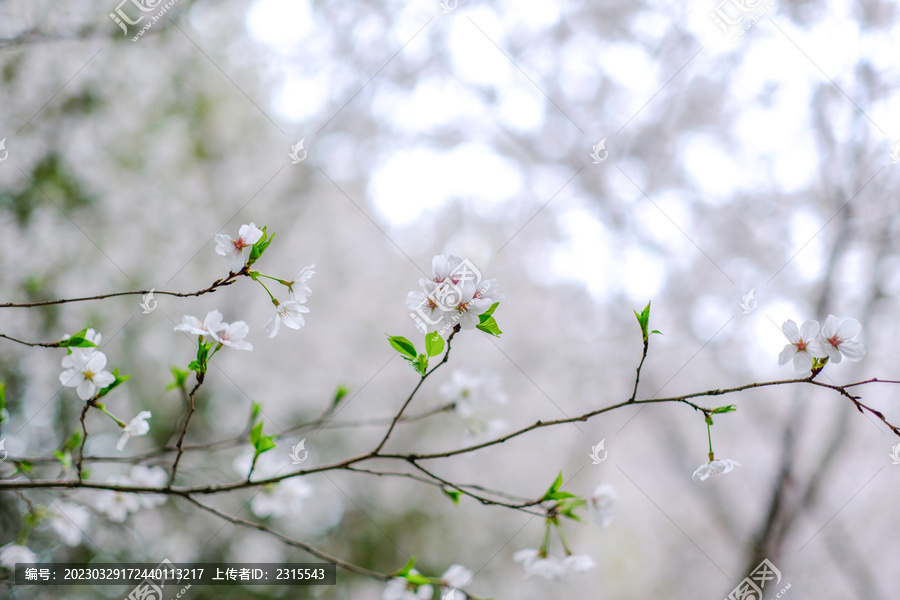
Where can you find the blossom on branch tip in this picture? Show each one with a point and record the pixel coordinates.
(233, 336)
(469, 306)
(290, 313)
(550, 567)
(211, 324)
(233, 250)
(457, 576)
(455, 296)
(298, 288)
(399, 588)
(136, 427)
(714, 467)
(837, 342)
(85, 372)
(804, 345)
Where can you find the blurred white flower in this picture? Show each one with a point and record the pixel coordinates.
(836, 336)
(601, 503)
(10, 554)
(804, 345)
(550, 567)
(136, 427)
(714, 468)
(210, 325)
(457, 576)
(233, 250)
(478, 431)
(85, 372)
(233, 336)
(117, 505)
(281, 499)
(152, 477)
(299, 291)
(399, 588)
(69, 521)
(290, 313)
(469, 392)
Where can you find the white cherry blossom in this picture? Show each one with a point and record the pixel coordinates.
(85, 372)
(233, 250)
(10, 554)
(233, 336)
(399, 588)
(290, 313)
(69, 521)
(804, 345)
(298, 289)
(714, 467)
(837, 342)
(601, 504)
(136, 427)
(210, 325)
(550, 567)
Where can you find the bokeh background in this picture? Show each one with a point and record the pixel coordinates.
(758, 165)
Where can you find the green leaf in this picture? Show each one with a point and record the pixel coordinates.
(489, 325)
(567, 507)
(64, 458)
(24, 466)
(403, 346)
(554, 487)
(559, 496)
(409, 566)
(255, 409)
(259, 247)
(77, 340)
(180, 377)
(339, 394)
(420, 364)
(262, 443)
(2, 401)
(434, 343)
(73, 441)
(417, 580)
(643, 318)
(452, 494)
(483, 316)
(657, 331)
(120, 379)
(724, 409)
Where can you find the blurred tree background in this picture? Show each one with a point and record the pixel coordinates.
(467, 129)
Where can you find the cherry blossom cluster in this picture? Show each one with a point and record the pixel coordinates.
(85, 370)
(456, 294)
(833, 342)
(289, 312)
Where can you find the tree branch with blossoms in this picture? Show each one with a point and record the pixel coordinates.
(454, 300)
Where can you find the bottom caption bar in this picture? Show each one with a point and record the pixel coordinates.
(169, 574)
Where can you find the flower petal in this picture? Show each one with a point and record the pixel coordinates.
(791, 332)
(853, 350)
